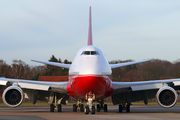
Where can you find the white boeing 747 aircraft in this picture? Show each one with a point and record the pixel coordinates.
(89, 81)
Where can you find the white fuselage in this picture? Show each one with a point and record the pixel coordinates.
(90, 60)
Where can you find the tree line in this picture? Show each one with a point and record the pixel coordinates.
(155, 69)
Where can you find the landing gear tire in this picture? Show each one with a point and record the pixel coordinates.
(120, 108)
(105, 107)
(98, 108)
(93, 110)
(59, 107)
(51, 107)
(81, 108)
(128, 108)
(86, 110)
(74, 108)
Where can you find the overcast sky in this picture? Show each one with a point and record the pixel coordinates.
(122, 29)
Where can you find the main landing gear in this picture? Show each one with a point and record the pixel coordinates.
(55, 102)
(124, 107)
(101, 106)
(58, 107)
(78, 106)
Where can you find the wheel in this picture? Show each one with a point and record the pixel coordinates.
(98, 108)
(81, 108)
(51, 107)
(59, 107)
(128, 108)
(74, 108)
(120, 108)
(105, 107)
(93, 110)
(86, 110)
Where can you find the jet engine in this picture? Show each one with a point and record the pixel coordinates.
(13, 96)
(166, 97)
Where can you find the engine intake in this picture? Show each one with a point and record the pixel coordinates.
(13, 96)
(166, 97)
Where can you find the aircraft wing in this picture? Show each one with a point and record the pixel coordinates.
(35, 85)
(15, 90)
(54, 64)
(126, 64)
(145, 90)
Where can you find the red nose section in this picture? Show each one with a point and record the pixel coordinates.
(81, 85)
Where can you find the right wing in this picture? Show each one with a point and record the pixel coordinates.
(54, 64)
(126, 64)
(137, 91)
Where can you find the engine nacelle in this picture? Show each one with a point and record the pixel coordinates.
(13, 96)
(166, 97)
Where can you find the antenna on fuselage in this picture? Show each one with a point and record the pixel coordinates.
(90, 28)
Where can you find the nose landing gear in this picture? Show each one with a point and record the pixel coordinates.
(90, 106)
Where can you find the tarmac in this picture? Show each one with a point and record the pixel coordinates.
(138, 112)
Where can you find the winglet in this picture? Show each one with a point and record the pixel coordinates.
(90, 28)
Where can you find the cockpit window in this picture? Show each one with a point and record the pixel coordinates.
(85, 53)
(94, 53)
(90, 53)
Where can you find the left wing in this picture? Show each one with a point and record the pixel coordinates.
(126, 64)
(14, 91)
(35, 85)
(163, 90)
(53, 63)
